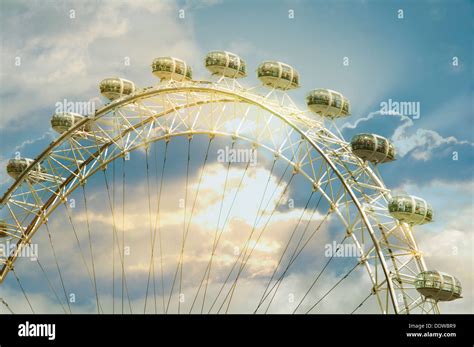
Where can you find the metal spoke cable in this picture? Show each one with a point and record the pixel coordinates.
(225, 223)
(218, 238)
(73, 227)
(152, 253)
(114, 228)
(51, 285)
(90, 246)
(258, 217)
(197, 193)
(320, 273)
(215, 240)
(363, 302)
(6, 305)
(113, 240)
(293, 258)
(245, 260)
(23, 290)
(57, 266)
(185, 232)
(297, 251)
(255, 223)
(180, 259)
(157, 222)
(333, 287)
(286, 246)
(122, 249)
(257, 220)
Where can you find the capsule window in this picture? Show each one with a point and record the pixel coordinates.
(179, 69)
(286, 73)
(336, 101)
(233, 62)
(345, 106)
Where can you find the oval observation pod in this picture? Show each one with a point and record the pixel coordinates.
(373, 148)
(169, 68)
(62, 122)
(438, 286)
(278, 75)
(15, 168)
(328, 103)
(410, 209)
(115, 87)
(225, 64)
(3, 229)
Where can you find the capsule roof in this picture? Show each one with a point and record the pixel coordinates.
(115, 87)
(278, 75)
(373, 148)
(328, 103)
(410, 209)
(225, 64)
(170, 68)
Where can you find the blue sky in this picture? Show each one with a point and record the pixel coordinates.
(409, 59)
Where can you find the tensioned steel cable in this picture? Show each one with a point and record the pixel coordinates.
(157, 221)
(73, 227)
(90, 245)
(223, 228)
(293, 259)
(333, 287)
(23, 290)
(122, 249)
(362, 303)
(287, 245)
(217, 227)
(320, 273)
(297, 251)
(152, 253)
(184, 231)
(197, 190)
(258, 217)
(245, 260)
(257, 220)
(51, 285)
(57, 266)
(6, 305)
(217, 241)
(113, 240)
(114, 227)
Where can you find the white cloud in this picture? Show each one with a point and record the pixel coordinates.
(420, 144)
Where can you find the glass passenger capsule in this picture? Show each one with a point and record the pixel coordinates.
(410, 209)
(169, 68)
(115, 87)
(15, 167)
(226, 64)
(278, 75)
(438, 286)
(373, 148)
(62, 122)
(328, 103)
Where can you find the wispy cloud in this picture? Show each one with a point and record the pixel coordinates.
(421, 144)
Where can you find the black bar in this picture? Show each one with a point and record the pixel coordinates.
(324, 330)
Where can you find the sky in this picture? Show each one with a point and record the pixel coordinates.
(403, 51)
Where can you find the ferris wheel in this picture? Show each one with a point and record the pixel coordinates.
(126, 147)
